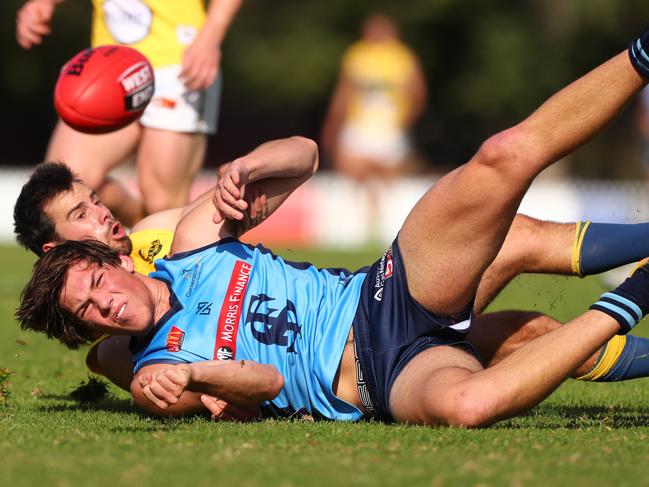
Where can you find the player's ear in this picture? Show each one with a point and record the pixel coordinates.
(47, 246)
(127, 263)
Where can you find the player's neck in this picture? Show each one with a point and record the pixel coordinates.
(160, 295)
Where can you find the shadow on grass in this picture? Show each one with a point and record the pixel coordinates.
(109, 404)
(579, 417)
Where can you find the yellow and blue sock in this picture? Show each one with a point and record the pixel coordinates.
(624, 357)
(599, 247)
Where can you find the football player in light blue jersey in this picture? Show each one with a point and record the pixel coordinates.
(387, 341)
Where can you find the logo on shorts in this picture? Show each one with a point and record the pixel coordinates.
(385, 271)
(175, 339)
(389, 266)
(164, 102)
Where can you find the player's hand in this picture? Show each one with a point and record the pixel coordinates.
(33, 22)
(222, 411)
(229, 195)
(165, 386)
(200, 63)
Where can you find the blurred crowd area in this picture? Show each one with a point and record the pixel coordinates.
(486, 65)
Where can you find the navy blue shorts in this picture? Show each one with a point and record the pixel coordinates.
(390, 328)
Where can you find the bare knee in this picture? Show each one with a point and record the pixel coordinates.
(514, 152)
(470, 410)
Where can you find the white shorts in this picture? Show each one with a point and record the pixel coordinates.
(387, 148)
(177, 109)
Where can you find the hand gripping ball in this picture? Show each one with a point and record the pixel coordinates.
(103, 89)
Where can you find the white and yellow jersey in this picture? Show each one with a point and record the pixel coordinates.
(159, 29)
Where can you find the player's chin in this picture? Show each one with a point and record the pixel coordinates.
(123, 245)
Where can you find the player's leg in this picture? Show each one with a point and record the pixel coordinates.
(438, 387)
(91, 157)
(447, 385)
(497, 335)
(582, 249)
(167, 165)
(457, 228)
(112, 358)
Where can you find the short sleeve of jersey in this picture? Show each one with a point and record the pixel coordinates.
(148, 246)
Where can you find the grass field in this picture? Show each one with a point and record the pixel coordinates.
(585, 434)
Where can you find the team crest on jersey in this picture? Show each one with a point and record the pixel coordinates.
(154, 249)
(175, 339)
(271, 327)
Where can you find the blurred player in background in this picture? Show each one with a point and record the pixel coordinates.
(183, 43)
(380, 94)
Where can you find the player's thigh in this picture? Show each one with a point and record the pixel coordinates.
(454, 232)
(499, 334)
(425, 391)
(92, 156)
(171, 158)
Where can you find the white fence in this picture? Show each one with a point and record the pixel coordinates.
(331, 211)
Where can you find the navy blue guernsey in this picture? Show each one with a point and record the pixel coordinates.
(291, 315)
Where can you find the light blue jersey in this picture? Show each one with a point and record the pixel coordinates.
(291, 315)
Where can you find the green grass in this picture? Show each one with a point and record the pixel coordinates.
(585, 434)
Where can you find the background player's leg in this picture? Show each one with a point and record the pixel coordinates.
(497, 335)
(91, 157)
(167, 165)
(457, 228)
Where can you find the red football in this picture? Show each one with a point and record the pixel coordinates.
(103, 89)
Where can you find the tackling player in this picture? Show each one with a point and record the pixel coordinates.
(54, 206)
(399, 323)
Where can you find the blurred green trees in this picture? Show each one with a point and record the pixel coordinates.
(488, 63)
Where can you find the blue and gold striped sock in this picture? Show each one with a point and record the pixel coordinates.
(599, 247)
(624, 357)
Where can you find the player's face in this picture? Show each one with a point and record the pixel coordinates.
(79, 215)
(110, 299)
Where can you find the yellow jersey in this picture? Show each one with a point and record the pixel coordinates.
(380, 73)
(149, 245)
(159, 29)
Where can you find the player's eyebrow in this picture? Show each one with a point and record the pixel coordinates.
(93, 284)
(75, 208)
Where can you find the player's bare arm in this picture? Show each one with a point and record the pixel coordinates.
(177, 389)
(274, 169)
(202, 58)
(33, 22)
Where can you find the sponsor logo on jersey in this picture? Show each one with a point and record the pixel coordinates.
(224, 353)
(175, 339)
(204, 308)
(154, 249)
(271, 328)
(195, 272)
(228, 326)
